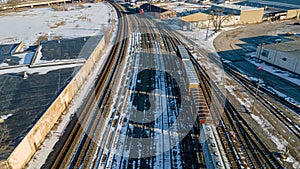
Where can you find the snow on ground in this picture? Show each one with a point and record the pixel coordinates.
(4, 117)
(281, 143)
(39, 70)
(41, 155)
(247, 102)
(199, 36)
(277, 72)
(29, 25)
(292, 160)
(283, 96)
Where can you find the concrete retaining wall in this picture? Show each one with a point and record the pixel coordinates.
(33, 140)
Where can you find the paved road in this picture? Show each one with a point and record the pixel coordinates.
(244, 40)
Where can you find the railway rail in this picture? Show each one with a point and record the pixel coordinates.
(249, 143)
(275, 110)
(257, 154)
(73, 149)
(78, 149)
(87, 143)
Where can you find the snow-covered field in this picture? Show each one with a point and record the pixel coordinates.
(27, 26)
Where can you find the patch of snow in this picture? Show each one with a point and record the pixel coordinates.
(277, 72)
(281, 143)
(4, 65)
(4, 117)
(226, 61)
(28, 25)
(39, 70)
(292, 160)
(283, 96)
(39, 54)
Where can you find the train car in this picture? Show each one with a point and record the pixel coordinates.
(200, 109)
(190, 75)
(213, 156)
(212, 149)
(182, 52)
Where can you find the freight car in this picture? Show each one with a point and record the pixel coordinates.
(212, 149)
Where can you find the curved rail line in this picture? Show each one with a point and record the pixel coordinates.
(250, 143)
(70, 151)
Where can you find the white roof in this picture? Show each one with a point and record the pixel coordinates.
(236, 7)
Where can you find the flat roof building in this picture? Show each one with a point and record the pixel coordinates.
(275, 9)
(285, 55)
(247, 14)
(235, 14)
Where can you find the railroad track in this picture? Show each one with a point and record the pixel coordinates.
(81, 147)
(88, 143)
(75, 147)
(271, 107)
(151, 43)
(244, 81)
(233, 72)
(250, 148)
(244, 138)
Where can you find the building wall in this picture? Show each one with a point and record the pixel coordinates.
(285, 60)
(293, 13)
(251, 16)
(232, 20)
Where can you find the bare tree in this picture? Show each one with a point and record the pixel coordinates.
(217, 19)
(13, 4)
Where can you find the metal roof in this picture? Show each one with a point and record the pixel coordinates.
(190, 72)
(291, 47)
(195, 17)
(236, 7)
(183, 53)
(280, 4)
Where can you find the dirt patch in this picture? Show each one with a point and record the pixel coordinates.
(231, 39)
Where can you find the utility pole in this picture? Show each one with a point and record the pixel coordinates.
(261, 44)
(258, 85)
(206, 37)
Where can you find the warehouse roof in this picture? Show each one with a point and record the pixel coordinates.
(236, 7)
(284, 46)
(195, 17)
(291, 47)
(280, 4)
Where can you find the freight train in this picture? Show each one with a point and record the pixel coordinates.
(212, 149)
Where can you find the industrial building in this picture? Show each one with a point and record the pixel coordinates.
(281, 9)
(246, 14)
(285, 55)
(235, 14)
(158, 12)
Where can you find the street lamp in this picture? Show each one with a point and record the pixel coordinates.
(258, 85)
